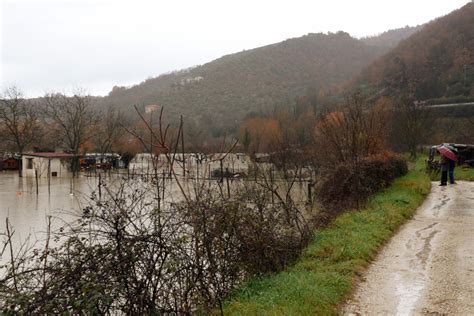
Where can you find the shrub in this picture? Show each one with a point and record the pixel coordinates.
(350, 184)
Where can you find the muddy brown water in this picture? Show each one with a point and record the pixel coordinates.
(27, 211)
(64, 198)
(428, 266)
(61, 199)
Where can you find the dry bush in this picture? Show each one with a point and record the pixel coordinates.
(345, 187)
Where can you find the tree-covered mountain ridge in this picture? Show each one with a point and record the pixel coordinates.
(391, 38)
(220, 93)
(434, 64)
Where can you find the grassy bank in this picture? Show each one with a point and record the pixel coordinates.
(460, 173)
(464, 173)
(326, 272)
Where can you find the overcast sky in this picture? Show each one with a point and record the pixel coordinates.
(97, 44)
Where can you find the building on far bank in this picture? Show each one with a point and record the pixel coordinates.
(9, 163)
(191, 164)
(46, 164)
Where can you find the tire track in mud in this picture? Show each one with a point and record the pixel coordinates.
(427, 267)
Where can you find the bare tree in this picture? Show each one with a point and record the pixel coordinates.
(71, 118)
(350, 132)
(410, 123)
(110, 130)
(346, 136)
(19, 120)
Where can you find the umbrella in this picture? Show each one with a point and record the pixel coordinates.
(452, 148)
(445, 151)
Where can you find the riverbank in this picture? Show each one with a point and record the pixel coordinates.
(325, 274)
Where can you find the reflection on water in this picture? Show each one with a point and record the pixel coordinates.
(61, 198)
(28, 211)
(64, 198)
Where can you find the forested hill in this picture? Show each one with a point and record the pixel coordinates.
(391, 38)
(217, 95)
(435, 63)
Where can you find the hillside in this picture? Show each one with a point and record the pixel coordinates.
(391, 38)
(219, 94)
(435, 62)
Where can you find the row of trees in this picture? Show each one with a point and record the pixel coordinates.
(401, 123)
(57, 120)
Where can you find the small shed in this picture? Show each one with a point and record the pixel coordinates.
(46, 164)
(9, 164)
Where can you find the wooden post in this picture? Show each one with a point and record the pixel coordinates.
(271, 181)
(227, 180)
(100, 189)
(197, 170)
(163, 189)
(36, 176)
(156, 176)
(70, 185)
(222, 171)
(49, 176)
(310, 198)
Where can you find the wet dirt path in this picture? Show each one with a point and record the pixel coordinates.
(428, 266)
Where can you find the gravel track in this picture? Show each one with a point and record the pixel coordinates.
(428, 266)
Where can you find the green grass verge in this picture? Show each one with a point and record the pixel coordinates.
(460, 173)
(464, 173)
(326, 272)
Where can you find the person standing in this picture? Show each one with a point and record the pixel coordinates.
(444, 163)
(451, 166)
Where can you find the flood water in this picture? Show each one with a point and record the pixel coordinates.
(64, 199)
(28, 205)
(27, 211)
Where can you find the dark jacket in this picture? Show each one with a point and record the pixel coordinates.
(444, 163)
(451, 164)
